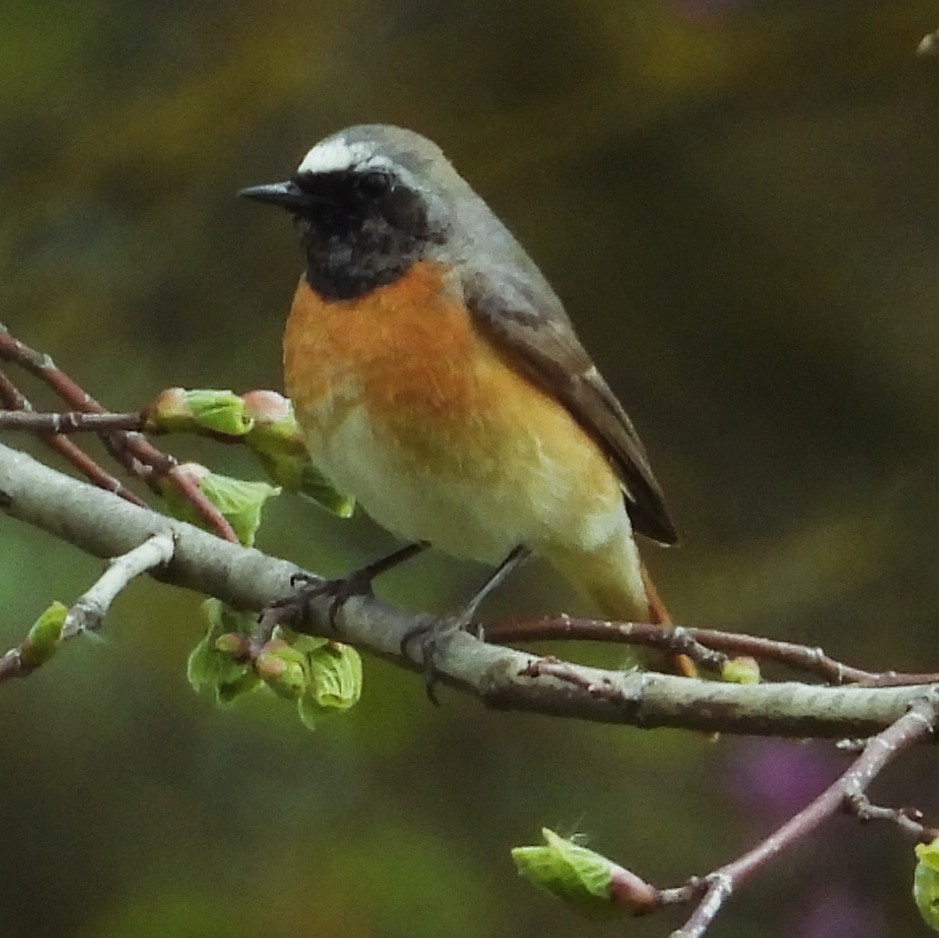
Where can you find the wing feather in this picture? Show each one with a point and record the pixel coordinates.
(536, 333)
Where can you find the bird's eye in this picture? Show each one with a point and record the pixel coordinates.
(373, 185)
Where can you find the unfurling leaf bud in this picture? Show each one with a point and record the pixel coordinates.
(169, 412)
(239, 501)
(219, 411)
(321, 675)
(217, 662)
(926, 883)
(278, 442)
(233, 643)
(275, 431)
(335, 682)
(44, 636)
(588, 881)
(269, 409)
(743, 670)
(201, 409)
(284, 669)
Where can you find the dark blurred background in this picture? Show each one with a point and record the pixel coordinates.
(738, 202)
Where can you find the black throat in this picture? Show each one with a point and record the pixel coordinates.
(343, 268)
(357, 238)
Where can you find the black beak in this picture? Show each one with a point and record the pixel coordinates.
(287, 195)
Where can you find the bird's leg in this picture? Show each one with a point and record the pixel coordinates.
(293, 609)
(431, 633)
(679, 664)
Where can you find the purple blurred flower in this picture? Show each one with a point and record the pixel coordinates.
(774, 778)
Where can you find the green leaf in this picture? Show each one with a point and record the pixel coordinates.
(220, 411)
(579, 876)
(305, 643)
(181, 411)
(238, 500)
(926, 883)
(297, 474)
(44, 636)
(212, 665)
(284, 669)
(315, 486)
(335, 682)
(229, 691)
(278, 442)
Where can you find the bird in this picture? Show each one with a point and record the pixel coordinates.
(438, 379)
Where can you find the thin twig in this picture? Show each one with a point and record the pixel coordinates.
(76, 421)
(846, 793)
(12, 397)
(68, 422)
(707, 647)
(139, 456)
(886, 746)
(92, 606)
(43, 367)
(12, 664)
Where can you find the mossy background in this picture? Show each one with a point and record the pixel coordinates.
(737, 200)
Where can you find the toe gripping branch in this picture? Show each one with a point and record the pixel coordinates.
(434, 633)
(293, 610)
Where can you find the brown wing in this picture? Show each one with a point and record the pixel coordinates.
(543, 342)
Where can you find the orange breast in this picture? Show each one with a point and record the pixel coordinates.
(396, 341)
(409, 353)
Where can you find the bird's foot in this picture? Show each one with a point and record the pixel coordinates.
(293, 610)
(338, 591)
(432, 637)
(435, 633)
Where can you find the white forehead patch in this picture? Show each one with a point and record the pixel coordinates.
(335, 155)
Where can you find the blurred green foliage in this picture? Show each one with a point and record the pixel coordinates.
(738, 201)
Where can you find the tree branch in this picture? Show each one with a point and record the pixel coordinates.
(90, 608)
(93, 605)
(103, 525)
(139, 456)
(711, 648)
(846, 793)
(69, 422)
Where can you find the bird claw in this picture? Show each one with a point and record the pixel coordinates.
(307, 586)
(293, 610)
(433, 635)
(340, 591)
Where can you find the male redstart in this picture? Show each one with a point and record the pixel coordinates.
(439, 380)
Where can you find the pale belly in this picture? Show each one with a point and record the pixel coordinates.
(475, 497)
